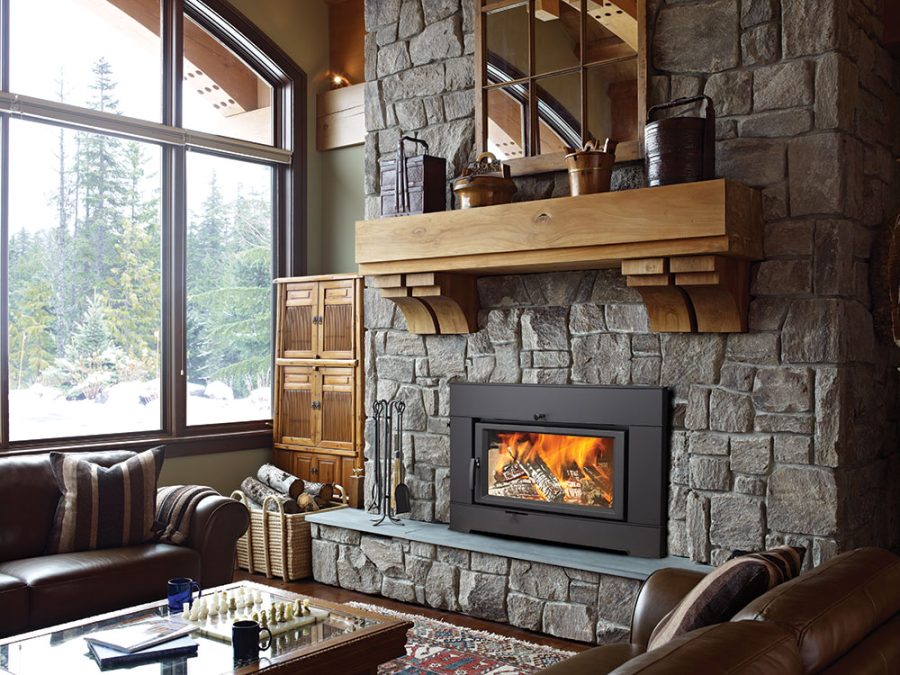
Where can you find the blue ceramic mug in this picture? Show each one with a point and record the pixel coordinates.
(181, 590)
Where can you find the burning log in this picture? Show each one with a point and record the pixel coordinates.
(519, 488)
(545, 480)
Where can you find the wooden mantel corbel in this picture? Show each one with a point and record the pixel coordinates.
(685, 248)
(433, 302)
(686, 294)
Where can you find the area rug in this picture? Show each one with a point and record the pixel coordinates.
(442, 648)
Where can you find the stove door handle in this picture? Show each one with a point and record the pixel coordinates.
(474, 464)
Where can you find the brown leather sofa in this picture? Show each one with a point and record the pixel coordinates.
(38, 590)
(842, 617)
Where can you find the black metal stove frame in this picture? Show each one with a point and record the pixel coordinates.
(635, 417)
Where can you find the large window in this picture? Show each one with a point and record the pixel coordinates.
(150, 194)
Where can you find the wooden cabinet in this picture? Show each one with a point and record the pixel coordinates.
(317, 319)
(318, 430)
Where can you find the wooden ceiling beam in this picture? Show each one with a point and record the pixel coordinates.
(213, 59)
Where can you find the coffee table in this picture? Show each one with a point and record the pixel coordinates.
(350, 641)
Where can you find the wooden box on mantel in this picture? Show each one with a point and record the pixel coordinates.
(686, 248)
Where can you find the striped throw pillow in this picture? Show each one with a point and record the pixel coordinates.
(725, 590)
(104, 507)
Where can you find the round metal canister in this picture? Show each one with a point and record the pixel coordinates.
(680, 149)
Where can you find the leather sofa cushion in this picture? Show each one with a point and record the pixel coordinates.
(833, 607)
(877, 654)
(13, 606)
(28, 500)
(595, 661)
(71, 586)
(734, 648)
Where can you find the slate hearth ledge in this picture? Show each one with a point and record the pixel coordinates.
(439, 534)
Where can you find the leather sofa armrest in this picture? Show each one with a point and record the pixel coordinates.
(218, 522)
(663, 590)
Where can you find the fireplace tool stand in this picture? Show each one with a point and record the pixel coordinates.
(388, 448)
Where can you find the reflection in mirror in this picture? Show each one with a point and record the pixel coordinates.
(611, 91)
(557, 37)
(559, 112)
(507, 41)
(613, 32)
(507, 113)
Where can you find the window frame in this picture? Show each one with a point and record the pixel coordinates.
(286, 156)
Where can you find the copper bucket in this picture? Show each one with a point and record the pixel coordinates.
(590, 169)
(680, 149)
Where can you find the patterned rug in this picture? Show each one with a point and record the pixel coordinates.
(440, 648)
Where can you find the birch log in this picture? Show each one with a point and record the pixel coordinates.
(323, 492)
(258, 492)
(279, 479)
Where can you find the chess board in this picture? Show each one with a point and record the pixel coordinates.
(217, 625)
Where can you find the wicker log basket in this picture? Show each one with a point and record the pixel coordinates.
(281, 543)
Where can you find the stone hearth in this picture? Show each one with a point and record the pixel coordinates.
(575, 594)
(784, 434)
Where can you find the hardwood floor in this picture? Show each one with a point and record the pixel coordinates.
(315, 589)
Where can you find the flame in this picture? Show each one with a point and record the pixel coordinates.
(571, 459)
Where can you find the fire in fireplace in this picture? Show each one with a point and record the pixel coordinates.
(575, 464)
(550, 468)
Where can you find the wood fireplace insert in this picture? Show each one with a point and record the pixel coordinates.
(575, 464)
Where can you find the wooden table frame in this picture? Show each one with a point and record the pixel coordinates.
(356, 653)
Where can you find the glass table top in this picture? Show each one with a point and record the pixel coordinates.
(65, 650)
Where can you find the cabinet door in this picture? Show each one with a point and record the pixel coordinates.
(328, 469)
(296, 419)
(336, 326)
(303, 466)
(299, 327)
(337, 413)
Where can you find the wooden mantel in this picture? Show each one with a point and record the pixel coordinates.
(686, 248)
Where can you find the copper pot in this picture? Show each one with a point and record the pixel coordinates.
(590, 169)
(484, 182)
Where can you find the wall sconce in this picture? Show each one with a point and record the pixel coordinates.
(337, 81)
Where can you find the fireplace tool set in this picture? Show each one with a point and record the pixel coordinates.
(389, 495)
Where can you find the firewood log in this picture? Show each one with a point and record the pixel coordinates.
(322, 492)
(307, 503)
(278, 479)
(258, 492)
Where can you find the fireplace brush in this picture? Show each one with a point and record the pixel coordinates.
(388, 447)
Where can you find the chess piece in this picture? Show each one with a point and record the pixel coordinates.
(186, 611)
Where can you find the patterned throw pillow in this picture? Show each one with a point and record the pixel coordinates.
(725, 590)
(104, 507)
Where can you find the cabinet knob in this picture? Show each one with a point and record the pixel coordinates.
(316, 405)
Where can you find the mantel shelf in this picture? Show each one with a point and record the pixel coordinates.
(686, 248)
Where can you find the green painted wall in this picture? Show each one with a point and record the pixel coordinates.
(223, 472)
(335, 178)
(343, 175)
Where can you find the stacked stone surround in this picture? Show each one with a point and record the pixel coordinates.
(569, 603)
(785, 433)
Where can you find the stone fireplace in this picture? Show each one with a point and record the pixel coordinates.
(785, 433)
(572, 465)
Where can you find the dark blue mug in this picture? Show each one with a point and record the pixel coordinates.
(181, 590)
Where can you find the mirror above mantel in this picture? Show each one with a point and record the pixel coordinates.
(550, 74)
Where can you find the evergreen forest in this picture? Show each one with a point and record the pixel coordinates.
(85, 291)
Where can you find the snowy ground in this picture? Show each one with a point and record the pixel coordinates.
(43, 412)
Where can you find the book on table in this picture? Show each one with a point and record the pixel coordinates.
(107, 657)
(139, 635)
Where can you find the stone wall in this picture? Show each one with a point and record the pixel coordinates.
(785, 433)
(569, 603)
